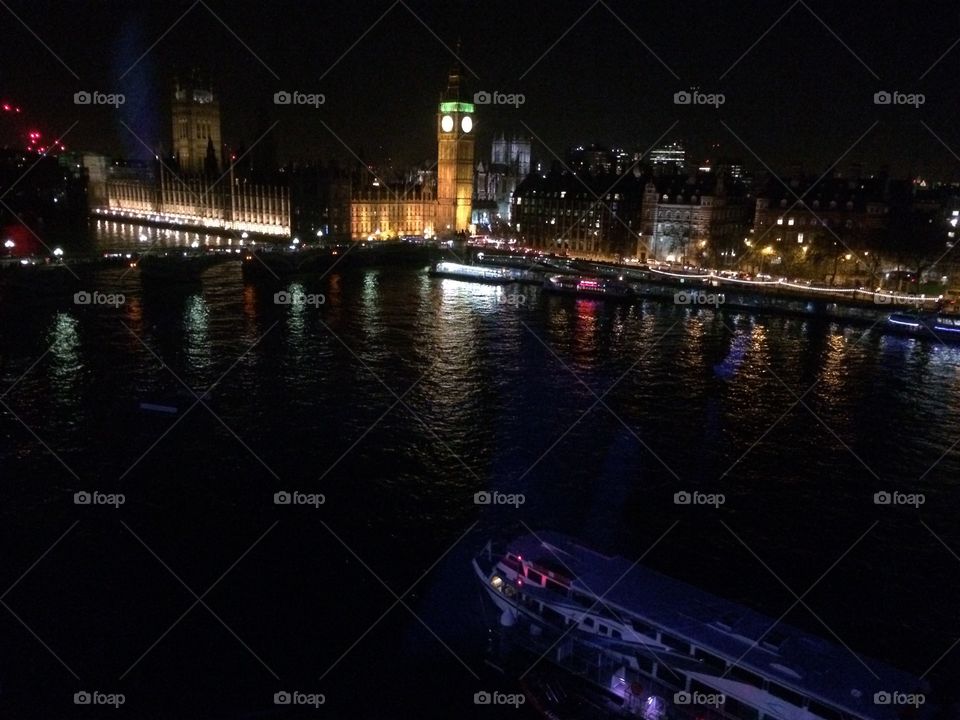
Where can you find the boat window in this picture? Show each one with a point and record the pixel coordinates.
(556, 587)
(675, 643)
(669, 676)
(616, 635)
(789, 695)
(603, 629)
(745, 676)
(588, 622)
(551, 615)
(737, 709)
(711, 661)
(645, 664)
(512, 563)
(534, 576)
(642, 628)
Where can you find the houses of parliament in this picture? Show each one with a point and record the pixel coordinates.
(201, 185)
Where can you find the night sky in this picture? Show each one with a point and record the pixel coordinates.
(798, 97)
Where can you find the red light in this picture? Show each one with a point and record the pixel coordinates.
(6, 107)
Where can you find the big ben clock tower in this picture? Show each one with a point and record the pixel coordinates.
(455, 132)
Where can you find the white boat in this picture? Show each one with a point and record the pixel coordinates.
(688, 640)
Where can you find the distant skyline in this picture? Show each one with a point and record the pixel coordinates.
(798, 79)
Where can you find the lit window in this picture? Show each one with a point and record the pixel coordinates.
(800, 238)
(779, 221)
(790, 221)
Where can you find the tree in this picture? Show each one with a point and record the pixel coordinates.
(914, 239)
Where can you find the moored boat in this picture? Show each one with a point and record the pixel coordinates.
(587, 286)
(695, 644)
(945, 328)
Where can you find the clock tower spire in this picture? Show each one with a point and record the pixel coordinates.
(455, 152)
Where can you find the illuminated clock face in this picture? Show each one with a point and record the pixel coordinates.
(466, 123)
(446, 123)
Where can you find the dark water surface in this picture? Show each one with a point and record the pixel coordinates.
(399, 398)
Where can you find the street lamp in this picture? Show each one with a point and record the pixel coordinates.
(768, 250)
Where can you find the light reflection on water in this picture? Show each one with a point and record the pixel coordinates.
(706, 404)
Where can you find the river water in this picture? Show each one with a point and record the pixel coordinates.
(398, 397)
